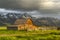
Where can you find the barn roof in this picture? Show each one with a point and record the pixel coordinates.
(20, 21)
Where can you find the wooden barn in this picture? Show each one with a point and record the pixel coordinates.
(23, 24)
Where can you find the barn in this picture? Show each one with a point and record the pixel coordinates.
(22, 24)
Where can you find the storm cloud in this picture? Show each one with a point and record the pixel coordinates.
(49, 7)
(31, 4)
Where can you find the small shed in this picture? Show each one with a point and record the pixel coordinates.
(58, 28)
(12, 27)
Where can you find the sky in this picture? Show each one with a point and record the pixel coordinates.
(50, 8)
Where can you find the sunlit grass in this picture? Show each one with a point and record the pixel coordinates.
(29, 35)
(3, 28)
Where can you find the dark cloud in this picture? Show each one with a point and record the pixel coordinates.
(8, 4)
(44, 6)
(21, 4)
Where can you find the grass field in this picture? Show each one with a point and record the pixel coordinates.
(32, 35)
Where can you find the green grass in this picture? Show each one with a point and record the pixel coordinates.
(33, 35)
(26, 35)
(3, 28)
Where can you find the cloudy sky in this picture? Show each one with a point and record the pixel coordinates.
(50, 8)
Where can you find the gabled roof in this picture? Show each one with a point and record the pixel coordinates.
(20, 21)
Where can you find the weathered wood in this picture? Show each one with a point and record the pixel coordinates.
(12, 27)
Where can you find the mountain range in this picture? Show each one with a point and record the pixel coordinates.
(10, 18)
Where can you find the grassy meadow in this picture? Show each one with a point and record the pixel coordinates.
(29, 35)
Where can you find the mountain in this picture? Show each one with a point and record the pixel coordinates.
(10, 18)
(47, 21)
